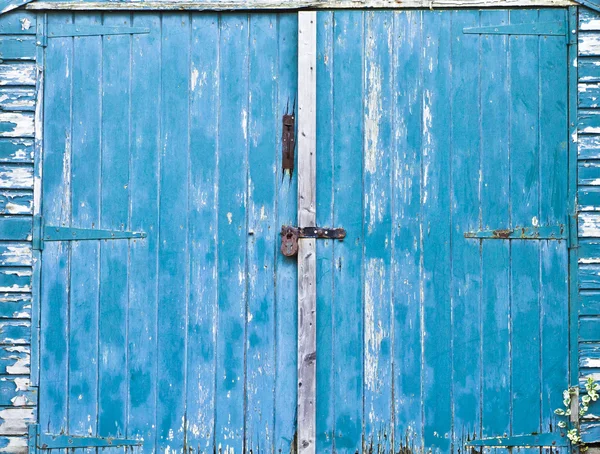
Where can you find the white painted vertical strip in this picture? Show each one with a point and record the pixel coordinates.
(307, 295)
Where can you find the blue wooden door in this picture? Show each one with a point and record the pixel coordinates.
(427, 339)
(187, 338)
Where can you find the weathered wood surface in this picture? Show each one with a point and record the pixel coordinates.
(307, 272)
(17, 102)
(190, 310)
(291, 5)
(589, 205)
(17, 74)
(18, 23)
(16, 181)
(216, 298)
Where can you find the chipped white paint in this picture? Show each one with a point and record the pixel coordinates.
(16, 255)
(25, 23)
(229, 217)
(22, 154)
(16, 99)
(426, 124)
(15, 445)
(585, 87)
(16, 177)
(21, 357)
(589, 362)
(589, 225)
(17, 272)
(194, 78)
(21, 401)
(373, 109)
(15, 208)
(589, 44)
(589, 146)
(17, 74)
(13, 421)
(374, 333)
(22, 383)
(245, 123)
(16, 124)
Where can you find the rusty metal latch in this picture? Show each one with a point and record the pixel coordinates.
(39, 441)
(288, 141)
(290, 236)
(547, 232)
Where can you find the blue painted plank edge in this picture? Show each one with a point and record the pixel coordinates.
(9, 5)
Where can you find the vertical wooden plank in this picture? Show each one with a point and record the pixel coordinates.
(232, 226)
(495, 211)
(264, 148)
(554, 203)
(85, 187)
(286, 268)
(326, 174)
(112, 323)
(465, 203)
(36, 153)
(307, 296)
(377, 143)
(435, 261)
(142, 342)
(203, 234)
(348, 61)
(54, 295)
(575, 302)
(407, 244)
(525, 197)
(173, 230)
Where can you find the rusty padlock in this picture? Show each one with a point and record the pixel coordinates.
(289, 241)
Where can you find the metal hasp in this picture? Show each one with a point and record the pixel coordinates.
(550, 232)
(41, 441)
(288, 142)
(43, 233)
(551, 439)
(290, 236)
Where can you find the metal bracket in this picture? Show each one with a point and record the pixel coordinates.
(43, 233)
(557, 28)
(290, 236)
(550, 232)
(551, 439)
(41, 441)
(288, 141)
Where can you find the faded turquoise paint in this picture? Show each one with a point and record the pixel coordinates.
(171, 338)
(186, 338)
(426, 338)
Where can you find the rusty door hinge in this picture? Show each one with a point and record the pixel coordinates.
(290, 236)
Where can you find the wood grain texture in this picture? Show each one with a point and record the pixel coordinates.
(292, 4)
(588, 201)
(307, 277)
